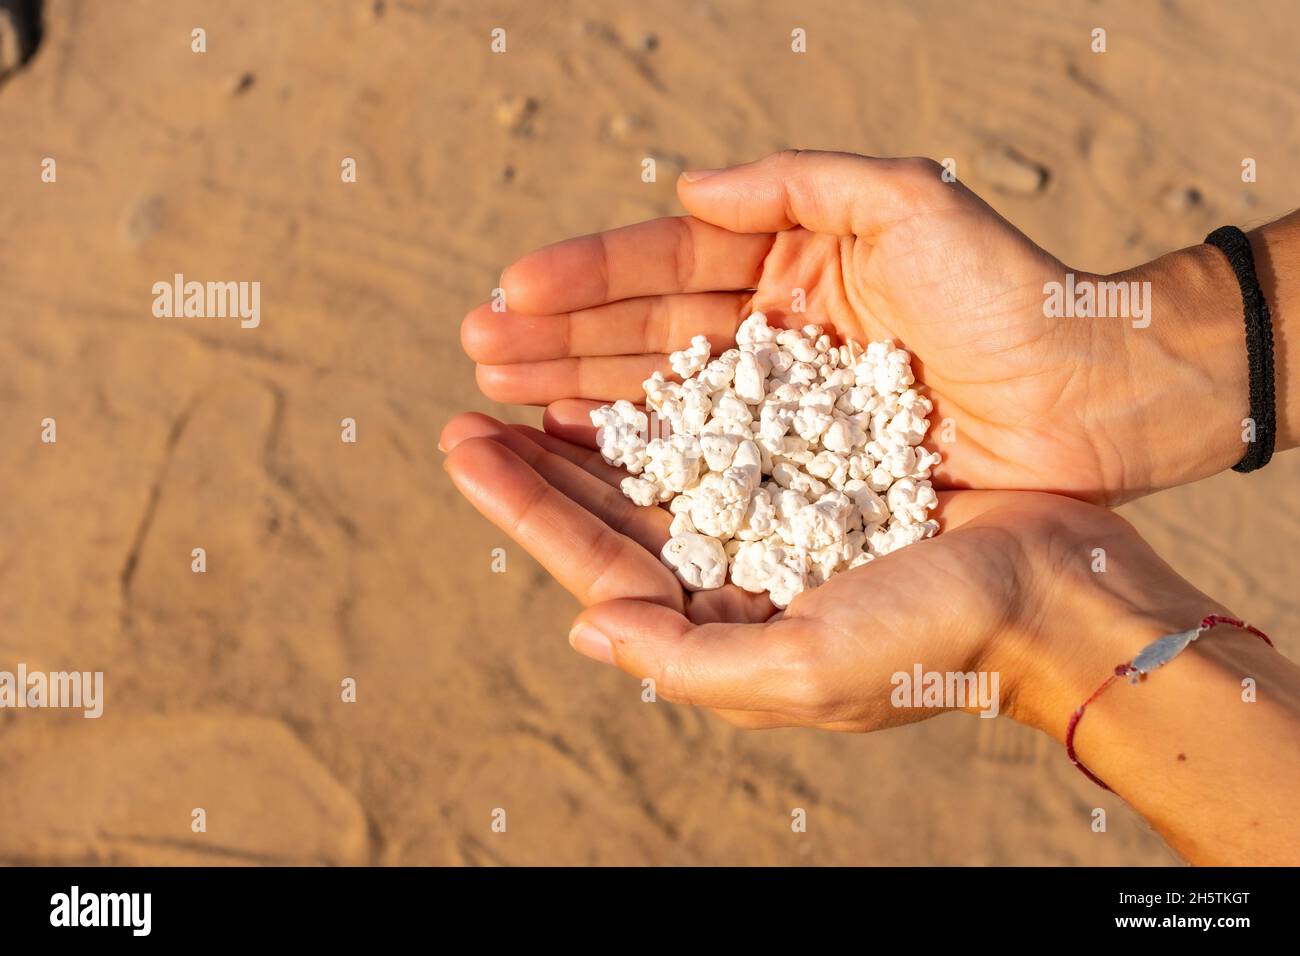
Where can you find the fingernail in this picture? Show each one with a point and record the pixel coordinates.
(441, 449)
(589, 642)
(695, 175)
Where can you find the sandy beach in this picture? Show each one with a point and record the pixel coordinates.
(328, 560)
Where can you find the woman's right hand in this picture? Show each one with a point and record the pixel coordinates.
(1100, 409)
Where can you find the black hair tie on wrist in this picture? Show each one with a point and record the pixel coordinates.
(1259, 346)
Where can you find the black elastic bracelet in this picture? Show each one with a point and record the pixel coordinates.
(1259, 346)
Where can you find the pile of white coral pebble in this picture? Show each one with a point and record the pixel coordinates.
(787, 459)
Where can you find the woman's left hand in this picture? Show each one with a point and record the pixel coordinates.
(984, 595)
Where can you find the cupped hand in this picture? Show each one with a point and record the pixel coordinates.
(875, 248)
(1008, 586)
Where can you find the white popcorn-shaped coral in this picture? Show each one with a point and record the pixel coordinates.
(699, 561)
(619, 431)
(644, 492)
(787, 459)
(692, 360)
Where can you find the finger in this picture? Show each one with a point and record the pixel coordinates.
(585, 458)
(471, 424)
(729, 603)
(753, 719)
(539, 383)
(466, 425)
(659, 257)
(570, 419)
(648, 527)
(721, 665)
(591, 560)
(836, 193)
(660, 323)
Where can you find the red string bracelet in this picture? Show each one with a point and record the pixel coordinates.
(1155, 654)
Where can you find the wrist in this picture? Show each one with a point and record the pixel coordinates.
(1088, 623)
(1277, 267)
(1178, 408)
(1184, 389)
(1210, 764)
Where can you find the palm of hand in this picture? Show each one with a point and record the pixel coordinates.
(963, 291)
(878, 249)
(931, 267)
(826, 661)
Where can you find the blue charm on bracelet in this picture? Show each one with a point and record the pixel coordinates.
(1161, 652)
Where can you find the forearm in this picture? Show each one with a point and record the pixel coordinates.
(1215, 772)
(1211, 762)
(1177, 411)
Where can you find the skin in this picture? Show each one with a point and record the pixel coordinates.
(884, 248)
(1096, 409)
(1215, 776)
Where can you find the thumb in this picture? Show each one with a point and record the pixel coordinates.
(725, 666)
(839, 194)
